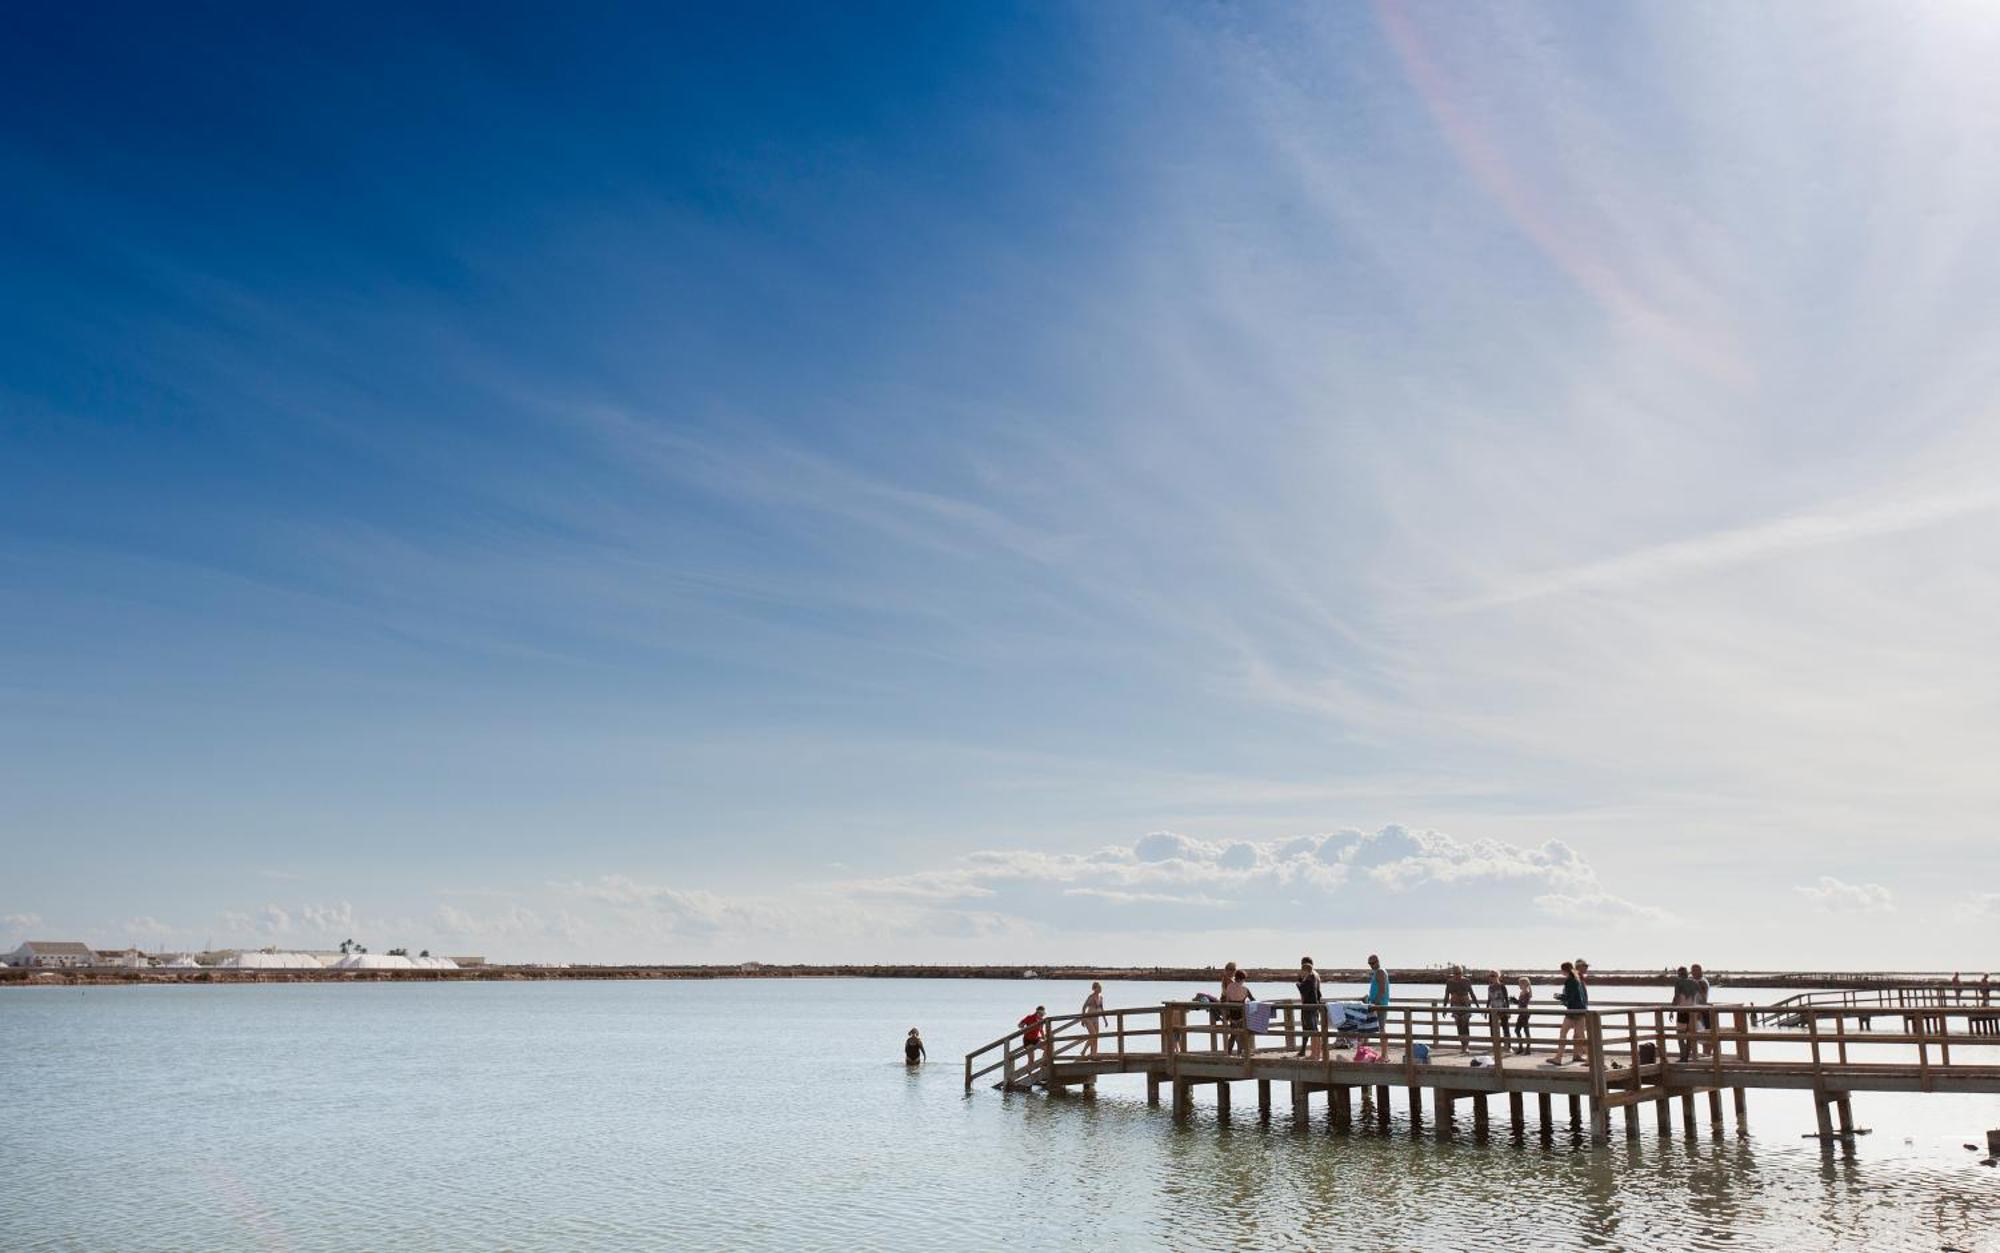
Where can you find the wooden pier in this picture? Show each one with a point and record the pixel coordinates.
(1635, 1056)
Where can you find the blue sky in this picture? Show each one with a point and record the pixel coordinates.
(1109, 482)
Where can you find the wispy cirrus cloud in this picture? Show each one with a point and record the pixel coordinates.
(1743, 545)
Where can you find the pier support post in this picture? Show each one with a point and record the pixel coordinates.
(1152, 1087)
(1845, 1105)
(1742, 1111)
(1575, 1111)
(1417, 1108)
(1222, 1099)
(1338, 1103)
(1663, 1115)
(1631, 1122)
(1382, 1108)
(1687, 1113)
(1301, 1104)
(1183, 1097)
(1515, 1112)
(1715, 1112)
(1264, 1098)
(1822, 1116)
(1440, 1110)
(1479, 1119)
(1600, 1121)
(1543, 1104)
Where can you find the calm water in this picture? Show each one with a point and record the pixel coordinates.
(777, 1114)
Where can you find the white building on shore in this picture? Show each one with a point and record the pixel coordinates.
(52, 953)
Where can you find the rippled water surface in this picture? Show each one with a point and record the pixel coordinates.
(745, 1114)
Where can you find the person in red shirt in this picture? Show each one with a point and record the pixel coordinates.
(1031, 1030)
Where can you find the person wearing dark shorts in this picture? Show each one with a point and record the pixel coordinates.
(1683, 1015)
(1314, 1011)
(1458, 996)
(1522, 998)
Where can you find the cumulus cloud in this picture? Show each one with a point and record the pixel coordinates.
(514, 922)
(16, 924)
(1980, 907)
(327, 919)
(272, 920)
(148, 928)
(1394, 876)
(671, 909)
(1833, 896)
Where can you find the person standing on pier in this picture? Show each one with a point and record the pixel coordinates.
(1576, 1004)
(1522, 998)
(1701, 1015)
(1684, 1014)
(913, 1049)
(1312, 1000)
(1378, 989)
(1458, 995)
(1093, 1018)
(1235, 998)
(1496, 1006)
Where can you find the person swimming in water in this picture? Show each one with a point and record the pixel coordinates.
(913, 1049)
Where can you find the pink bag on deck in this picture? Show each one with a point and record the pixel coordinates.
(1365, 1053)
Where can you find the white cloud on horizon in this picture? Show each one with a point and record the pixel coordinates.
(1394, 877)
(1834, 896)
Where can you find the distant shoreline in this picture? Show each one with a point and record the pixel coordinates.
(57, 977)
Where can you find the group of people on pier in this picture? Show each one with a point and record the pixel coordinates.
(1506, 1007)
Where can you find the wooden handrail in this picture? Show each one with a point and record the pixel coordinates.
(1925, 1026)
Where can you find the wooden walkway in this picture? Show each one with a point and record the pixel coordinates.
(1636, 1055)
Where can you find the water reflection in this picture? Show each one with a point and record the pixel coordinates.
(553, 1116)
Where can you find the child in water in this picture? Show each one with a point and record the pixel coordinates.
(913, 1049)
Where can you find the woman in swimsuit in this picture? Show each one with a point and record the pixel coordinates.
(1093, 1018)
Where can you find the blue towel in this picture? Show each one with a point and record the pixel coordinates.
(1258, 1016)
